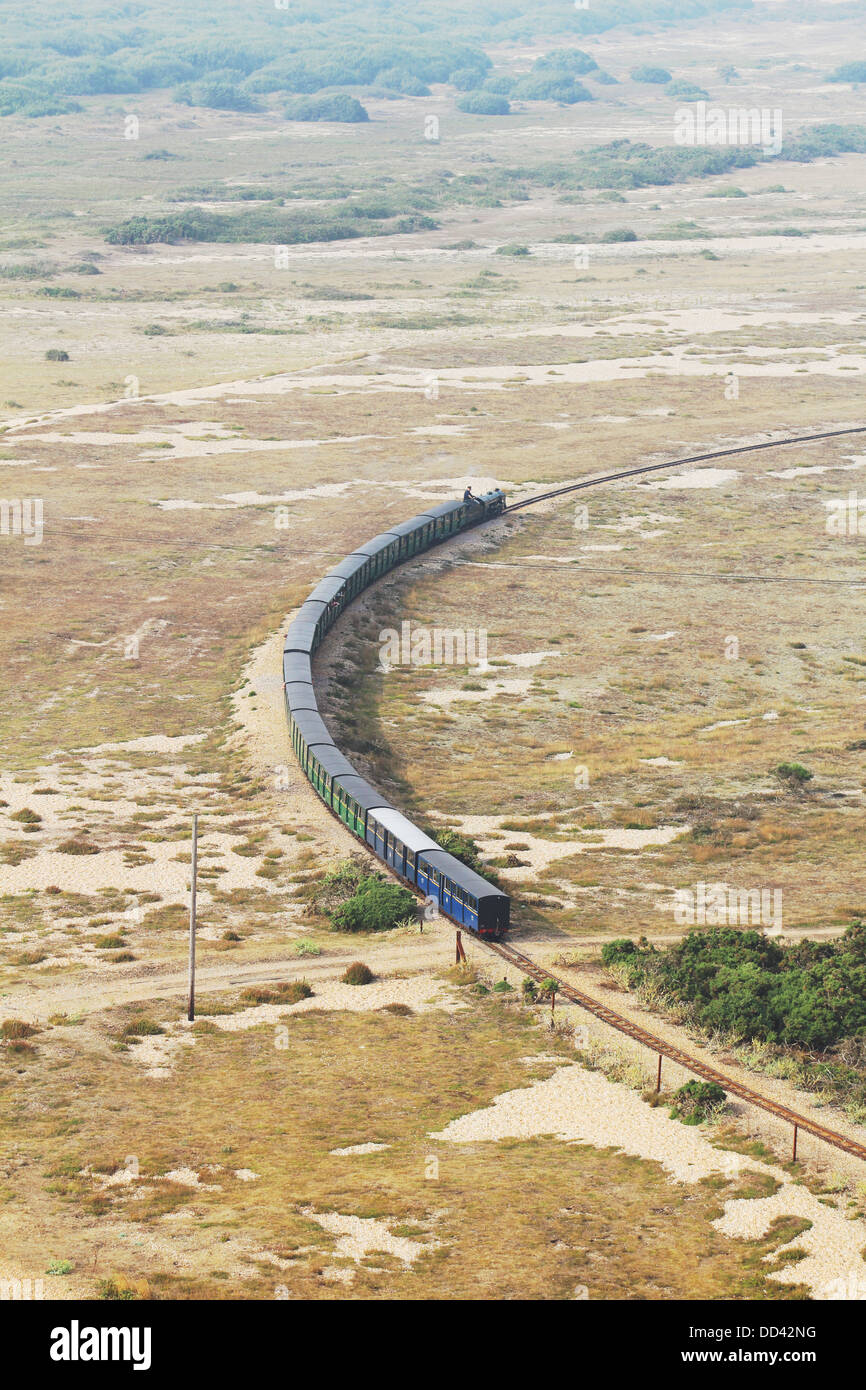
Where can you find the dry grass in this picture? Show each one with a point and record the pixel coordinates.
(584, 1217)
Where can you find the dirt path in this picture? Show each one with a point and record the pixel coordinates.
(430, 950)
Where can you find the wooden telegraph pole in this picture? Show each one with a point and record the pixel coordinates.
(191, 1009)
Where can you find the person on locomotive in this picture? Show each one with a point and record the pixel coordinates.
(468, 496)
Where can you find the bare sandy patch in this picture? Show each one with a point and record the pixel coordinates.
(359, 1236)
(583, 1107)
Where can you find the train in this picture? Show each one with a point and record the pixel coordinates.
(458, 892)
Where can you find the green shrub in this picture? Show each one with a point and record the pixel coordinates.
(142, 1028)
(645, 72)
(109, 943)
(551, 86)
(697, 1101)
(745, 984)
(689, 90)
(795, 774)
(220, 92)
(616, 952)
(484, 103)
(376, 906)
(465, 79)
(339, 107)
(357, 974)
(570, 60)
(56, 355)
(619, 234)
(849, 72)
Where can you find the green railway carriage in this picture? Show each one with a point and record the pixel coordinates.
(463, 895)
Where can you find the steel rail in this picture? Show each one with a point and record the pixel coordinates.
(680, 463)
(674, 1054)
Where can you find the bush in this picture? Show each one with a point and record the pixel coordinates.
(338, 107)
(142, 1028)
(219, 92)
(849, 72)
(109, 943)
(697, 1101)
(357, 974)
(484, 104)
(12, 1029)
(795, 774)
(397, 80)
(744, 984)
(56, 355)
(620, 234)
(502, 85)
(285, 993)
(645, 72)
(617, 952)
(376, 906)
(551, 86)
(569, 60)
(681, 88)
(466, 79)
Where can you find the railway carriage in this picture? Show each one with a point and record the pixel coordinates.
(460, 893)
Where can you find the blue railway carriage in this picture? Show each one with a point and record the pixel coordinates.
(461, 894)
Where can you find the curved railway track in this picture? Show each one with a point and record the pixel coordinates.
(681, 463)
(585, 1001)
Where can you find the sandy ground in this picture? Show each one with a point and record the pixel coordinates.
(580, 1106)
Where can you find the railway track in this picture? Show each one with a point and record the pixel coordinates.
(681, 463)
(585, 1001)
(675, 1054)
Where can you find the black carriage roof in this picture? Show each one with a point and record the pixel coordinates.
(366, 796)
(346, 568)
(300, 695)
(335, 763)
(380, 542)
(444, 508)
(300, 637)
(296, 667)
(312, 727)
(326, 589)
(462, 875)
(405, 528)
